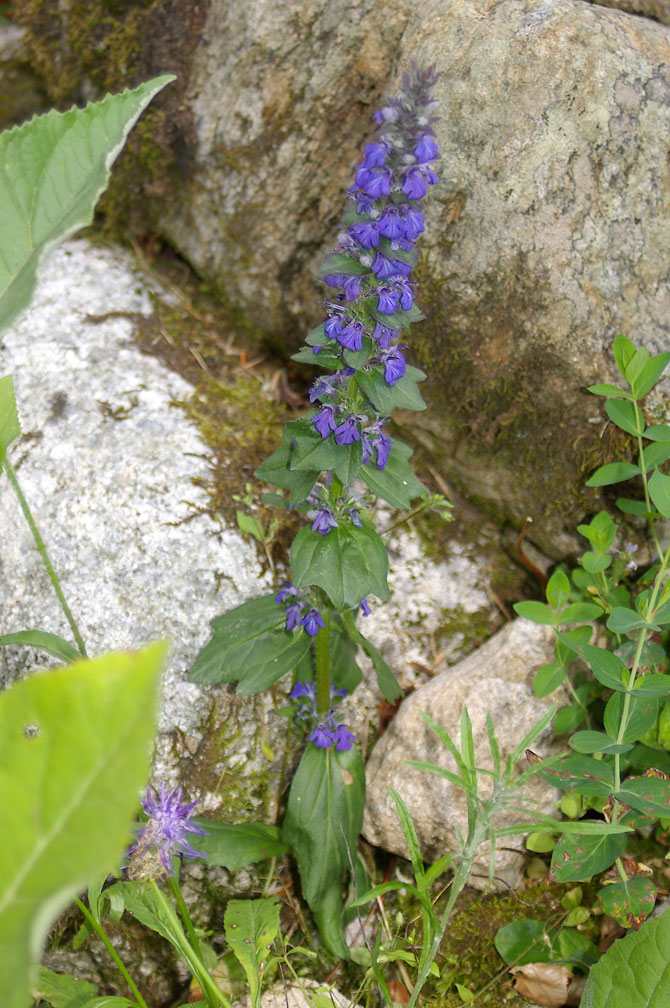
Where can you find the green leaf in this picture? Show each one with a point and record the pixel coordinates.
(250, 646)
(568, 718)
(580, 612)
(348, 563)
(609, 390)
(42, 641)
(74, 754)
(613, 472)
(400, 319)
(629, 902)
(314, 453)
(341, 265)
(634, 507)
(624, 351)
(236, 845)
(655, 454)
(251, 927)
(323, 358)
(606, 667)
(387, 682)
(396, 482)
(625, 415)
(323, 818)
(523, 941)
(53, 169)
(635, 971)
(649, 795)
(536, 612)
(403, 395)
(642, 714)
(658, 432)
(577, 858)
(344, 670)
(10, 428)
(62, 990)
(276, 470)
(622, 621)
(582, 774)
(649, 375)
(659, 491)
(558, 589)
(594, 563)
(596, 742)
(548, 678)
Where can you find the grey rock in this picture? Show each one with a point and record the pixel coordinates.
(657, 10)
(495, 679)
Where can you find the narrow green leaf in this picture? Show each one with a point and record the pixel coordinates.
(622, 621)
(387, 682)
(577, 858)
(658, 432)
(649, 375)
(42, 641)
(251, 927)
(548, 678)
(659, 491)
(635, 971)
(409, 833)
(655, 454)
(634, 507)
(74, 753)
(536, 612)
(236, 845)
(10, 428)
(558, 589)
(582, 774)
(348, 564)
(613, 472)
(53, 169)
(642, 714)
(624, 351)
(596, 742)
(580, 612)
(609, 390)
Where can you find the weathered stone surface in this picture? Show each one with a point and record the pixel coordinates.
(495, 679)
(658, 10)
(21, 91)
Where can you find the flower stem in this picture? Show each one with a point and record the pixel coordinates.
(322, 656)
(11, 476)
(120, 965)
(184, 914)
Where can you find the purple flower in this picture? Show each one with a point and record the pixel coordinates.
(374, 183)
(321, 736)
(383, 335)
(404, 289)
(384, 268)
(375, 154)
(394, 367)
(285, 592)
(164, 833)
(383, 450)
(323, 522)
(414, 224)
(293, 614)
(351, 285)
(351, 337)
(324, 421)
(302, 689)
(365, 608)
(333, 326)
(348, 431)
(321, 387)
(343, 738)
(354, 517)
(366, 234)
(426, 149)
(391, 224)
(313, 622)
(388, 301)
(334, 279)
(367, 449)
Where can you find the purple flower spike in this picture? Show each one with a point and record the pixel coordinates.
(415, 185)
(414, 224)
(324, 421)
(321, 737)
(333, 327)
(354, 517)
(375, 183)
(391, 225)
(365, 234)
(375, 154)
(347, 432)
(323, 521)
(313, 622)
(343, 738)
(165, 833)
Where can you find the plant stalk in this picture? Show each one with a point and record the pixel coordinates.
(118, 962)
(322, 663)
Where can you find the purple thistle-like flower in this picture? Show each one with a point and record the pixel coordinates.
(313, 622)
(348, 432)
(325, 421)
(343, 738)
(388, 301)
(394, 367)
(321, 736)
(324, 521)
(165, 834)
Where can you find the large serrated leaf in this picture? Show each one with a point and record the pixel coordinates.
(635, 971)
(74, 753)
(236, 845)
(348, 563)
(53, 170)
(396, 483)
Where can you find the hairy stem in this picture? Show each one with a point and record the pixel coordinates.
(322, 656)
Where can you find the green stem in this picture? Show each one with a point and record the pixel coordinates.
(322, 665)
(99, 930)
(11, 476)
(175, 888)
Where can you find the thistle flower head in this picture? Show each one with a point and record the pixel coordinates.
(163, 836)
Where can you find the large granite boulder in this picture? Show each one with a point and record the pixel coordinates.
(547, 234)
